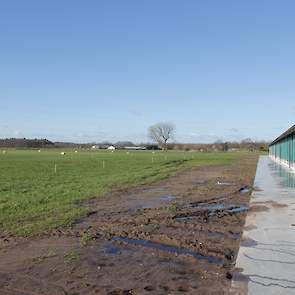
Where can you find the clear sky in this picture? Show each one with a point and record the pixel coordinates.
(95, 70)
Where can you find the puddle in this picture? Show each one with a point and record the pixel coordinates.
(237, 276)
(184, 218)
(286, 176)
(155, 202)
(169, 249)
(238, 209)
(244, 190)
(235, 236)
(230, 208)
(110, 249)
(224, 183)
(206, 202)
(167, 198)
(247, 242)
(212, 209)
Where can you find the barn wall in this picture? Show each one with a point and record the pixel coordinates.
(283, 151)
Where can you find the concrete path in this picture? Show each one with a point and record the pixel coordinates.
(266, 259)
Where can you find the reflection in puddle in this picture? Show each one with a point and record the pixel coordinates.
(169, 249)
(184, 218)
(110, 249)
(244, 190)
(249, 243)
(287, 177)
(154, 202)
(212, 209)
(167, 198)
(240, 277)
(224, 183)
(231, 208)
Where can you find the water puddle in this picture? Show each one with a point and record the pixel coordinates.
(224, 183)
(169, 249)
(167, 198)
(247, 242)
(238, 209)
(244, 190)
(110, 249)
(285, 175)
(231, 208)
(238, 276)
(184, 218)
(155, 202)
(212, 209)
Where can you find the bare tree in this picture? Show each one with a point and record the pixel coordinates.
(161, 133)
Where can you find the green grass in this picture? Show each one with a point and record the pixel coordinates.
(71, 257)
(34, 198)
(86, 239)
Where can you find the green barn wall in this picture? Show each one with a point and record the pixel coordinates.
(284, 150)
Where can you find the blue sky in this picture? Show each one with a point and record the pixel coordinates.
(94, 70)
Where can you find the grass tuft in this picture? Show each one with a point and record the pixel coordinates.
(71, 257)
(86, 239)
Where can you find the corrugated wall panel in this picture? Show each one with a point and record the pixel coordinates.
(284, 150)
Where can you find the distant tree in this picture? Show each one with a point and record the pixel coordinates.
(225, 146)
(247, 141)
(161, 133)
(221, 145)
(218, 141)
(25, 143)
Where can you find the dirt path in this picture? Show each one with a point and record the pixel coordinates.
(176, 236)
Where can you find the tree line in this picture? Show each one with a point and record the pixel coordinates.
(25, 143)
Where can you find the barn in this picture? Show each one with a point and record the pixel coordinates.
(282, 149)
(111, 148)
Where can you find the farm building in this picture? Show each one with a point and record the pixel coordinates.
(282, 149)
(136, 148)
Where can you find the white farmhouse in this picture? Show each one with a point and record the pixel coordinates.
(111, 148)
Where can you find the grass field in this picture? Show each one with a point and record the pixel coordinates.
(42, 191)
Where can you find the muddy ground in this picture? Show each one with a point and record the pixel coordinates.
(177, 236)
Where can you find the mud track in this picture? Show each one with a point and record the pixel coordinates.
(177, 236)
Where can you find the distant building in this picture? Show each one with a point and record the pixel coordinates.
(111, 148)
(136, 148)
(233, 149)
(282, 149)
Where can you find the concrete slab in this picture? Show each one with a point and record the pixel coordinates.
(266, 259)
